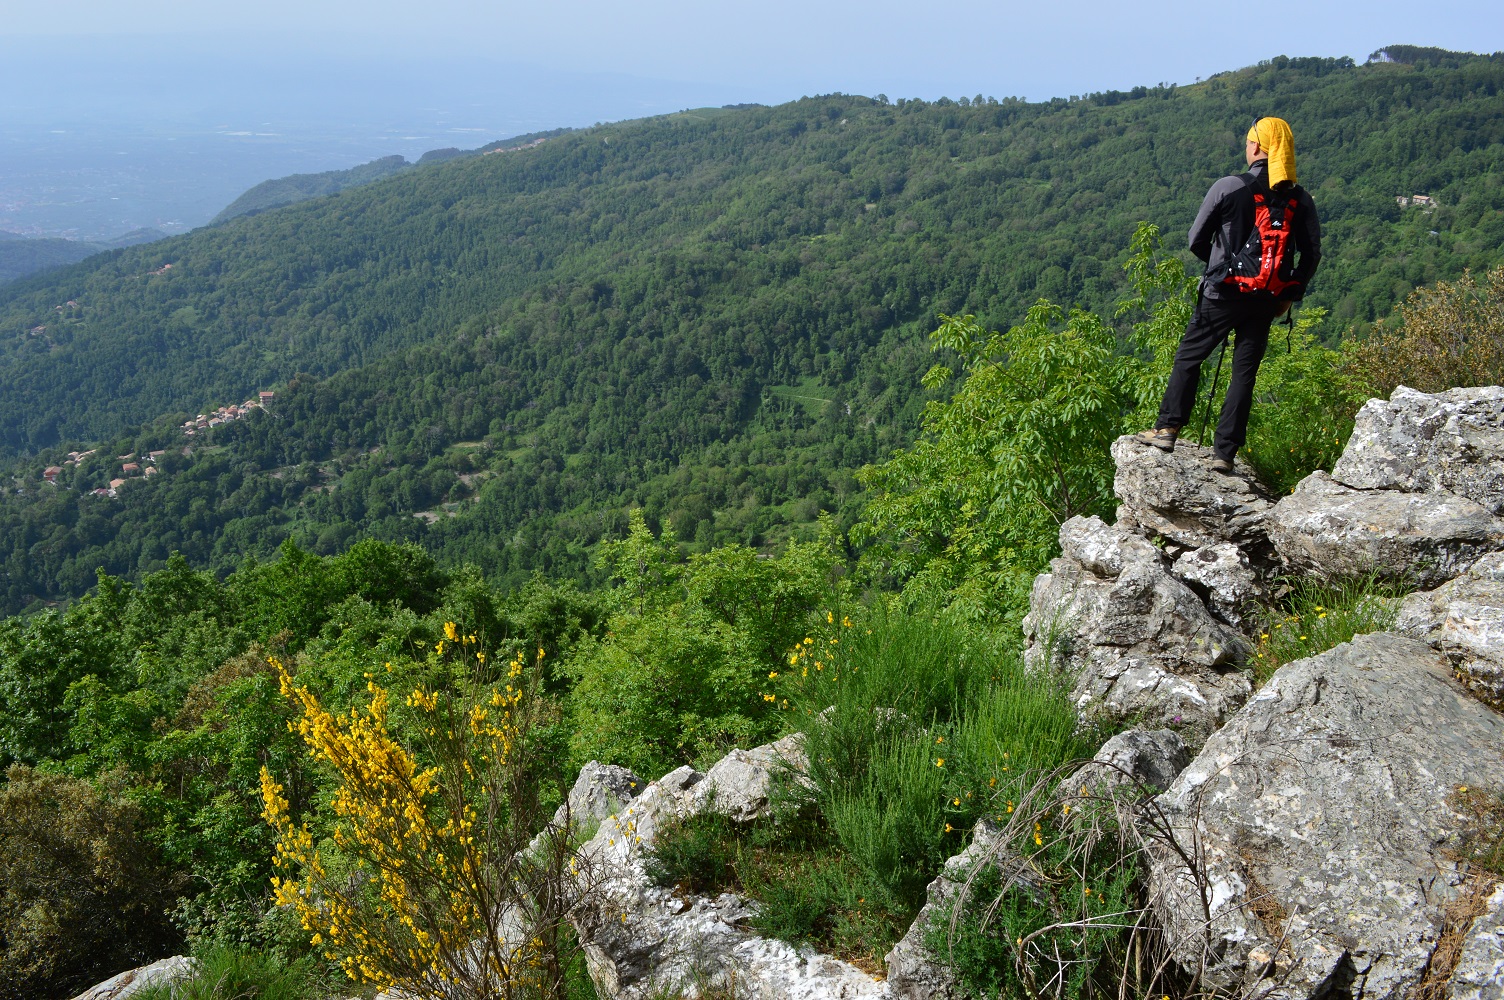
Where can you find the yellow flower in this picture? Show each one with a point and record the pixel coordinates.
(948, 828)
(450, 632)
(940, 762)
(955, 802)
(772, 675)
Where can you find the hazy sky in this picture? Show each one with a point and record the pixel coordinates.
(780, 49)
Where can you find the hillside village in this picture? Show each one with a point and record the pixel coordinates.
(145, 466)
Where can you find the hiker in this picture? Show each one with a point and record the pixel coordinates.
(1249, 230)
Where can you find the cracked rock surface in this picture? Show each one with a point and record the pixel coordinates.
(1419, 442)
(1135, 641)
(1176, 496)
(1464, 620)
(1324, 816)
(1330, 530)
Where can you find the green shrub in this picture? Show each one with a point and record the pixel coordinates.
(1316, 616)
(1451, 335)
(671, 687)
(808, 889)
(1304, 406)
(698, 854)
(82, 894)
(1049, 934)
(917, 724)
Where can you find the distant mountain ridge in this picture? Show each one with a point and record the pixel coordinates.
(24, 255)
(282, 191)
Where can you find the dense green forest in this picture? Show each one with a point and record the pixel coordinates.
(715, 315)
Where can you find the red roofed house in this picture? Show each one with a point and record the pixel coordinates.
(130, 469)
(52, 472)
(266, 397)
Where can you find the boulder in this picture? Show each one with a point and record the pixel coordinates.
(1322, 821)
(1135, 642)
(1464, 619)
(1420, 442)
(1176, 496)
(914, 973)
(1331, 530)
(741, 783)
(643, 941)
(1152, 759)
(161, 973)
(1223, 577)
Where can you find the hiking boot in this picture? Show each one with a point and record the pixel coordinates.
(1222, 465)
(1162, 438)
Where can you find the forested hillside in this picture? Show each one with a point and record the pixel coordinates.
(717, 315)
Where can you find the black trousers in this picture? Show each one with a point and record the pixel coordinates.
(1210, 323)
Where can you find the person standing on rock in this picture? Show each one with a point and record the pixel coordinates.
(1249, 231)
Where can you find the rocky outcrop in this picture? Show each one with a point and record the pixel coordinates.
(1416, 497)
(1464, 620)
(641, 940)
(1135, 642)
(1176, 497)
(1418, 442)
(1323, 818)
(741, 783)
(1222, 576)
(1330, 530)
(127, 984)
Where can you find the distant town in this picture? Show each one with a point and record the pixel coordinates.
(144, 466)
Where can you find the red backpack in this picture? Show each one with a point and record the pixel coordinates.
(1267, 257)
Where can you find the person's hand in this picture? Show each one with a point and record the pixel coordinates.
(1283, 307)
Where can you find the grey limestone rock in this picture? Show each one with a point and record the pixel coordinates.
(1479, 972)
(1421, 442)
(160, 973)
(1222, 575)
(1153, 758)
(642, 941)
(1332, 530)
(1464, 619)
(1322, 820)
(1176, 496)
(740, 784)
(600, 791)
(1136, 642)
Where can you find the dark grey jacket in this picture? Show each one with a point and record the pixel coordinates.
(1226, 219)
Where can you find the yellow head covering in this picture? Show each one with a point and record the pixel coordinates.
(1273, 134)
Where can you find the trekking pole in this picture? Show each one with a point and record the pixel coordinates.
(1213, 394)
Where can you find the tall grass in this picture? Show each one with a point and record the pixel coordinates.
(1317, 616)
(232, 974)
(917, 725)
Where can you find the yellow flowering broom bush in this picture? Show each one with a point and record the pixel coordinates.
(426, 880)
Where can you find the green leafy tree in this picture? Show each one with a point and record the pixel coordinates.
(1021, 447)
